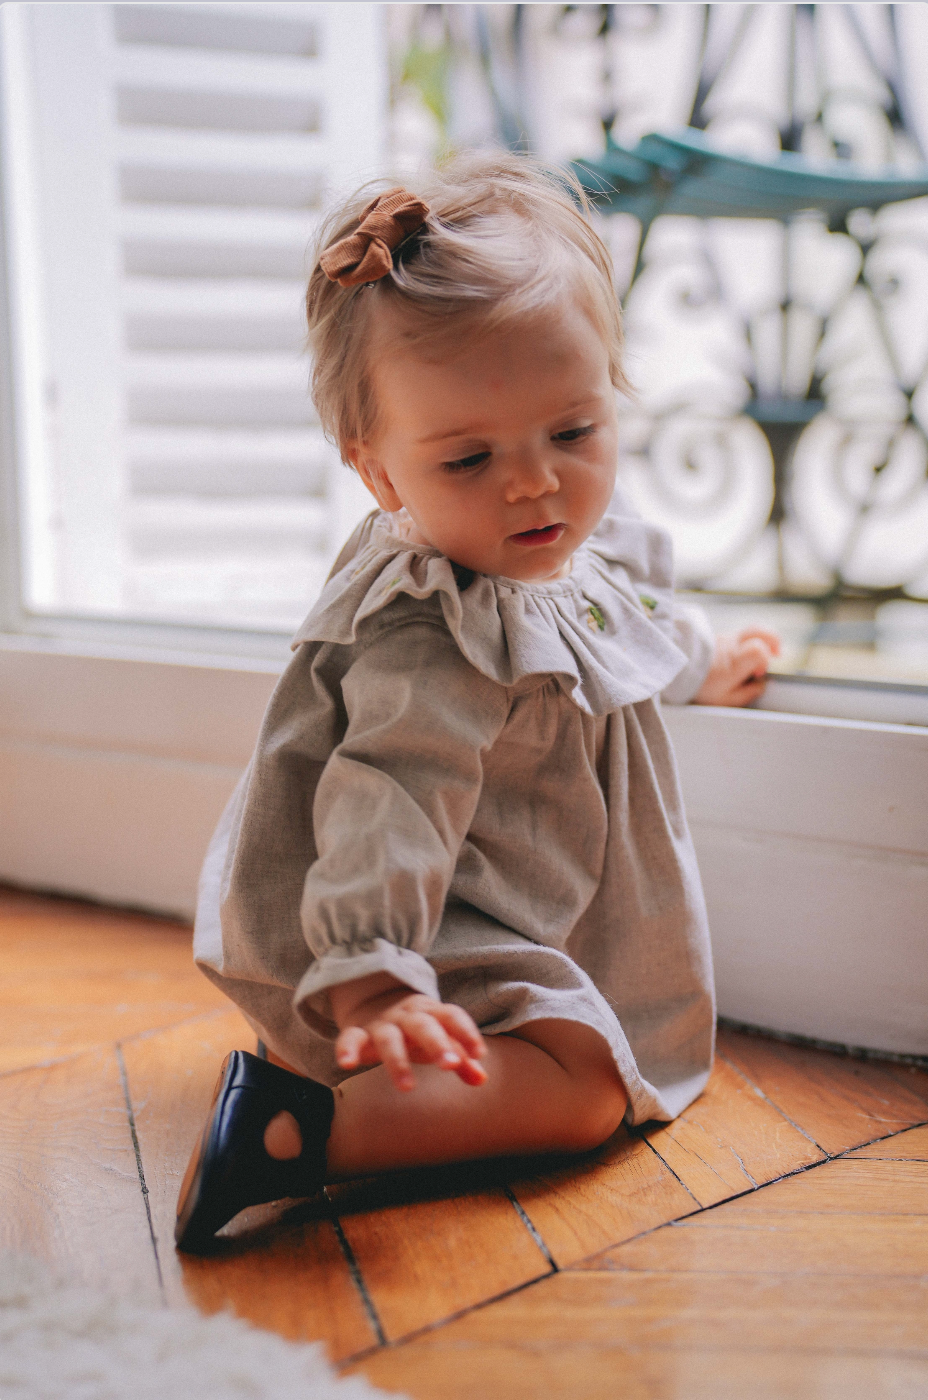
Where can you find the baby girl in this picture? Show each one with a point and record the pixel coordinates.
(455, 894)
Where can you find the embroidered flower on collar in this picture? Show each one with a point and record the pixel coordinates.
(649, 602)
(594, 619)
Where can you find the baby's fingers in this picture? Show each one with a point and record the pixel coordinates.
(390, 1043)
(432, 1038)
(468, 1044)
(750, 660)
(353, 1048)
(461, 1028)
(761, 634)
(429, 1043)
(471, 1072)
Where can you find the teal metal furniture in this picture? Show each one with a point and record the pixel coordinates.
(682, 173)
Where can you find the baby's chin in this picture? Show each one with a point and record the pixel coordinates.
(514, 565)
(540, 564)
(544, 573)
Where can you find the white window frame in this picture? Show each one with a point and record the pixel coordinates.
(120, 743)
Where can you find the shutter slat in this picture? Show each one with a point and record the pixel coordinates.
(157, 86)
(259, 390)
(177, 526)
(230, 475)
(184, 241)
(189, 474)
(247, 28)
(164, 68)
(164, 313)
(230, 168)
(171, 460)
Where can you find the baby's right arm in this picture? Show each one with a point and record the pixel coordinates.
(380, 1020)
(390, 812)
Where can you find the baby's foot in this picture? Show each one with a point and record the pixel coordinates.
(264, 1139)
(282, 1137)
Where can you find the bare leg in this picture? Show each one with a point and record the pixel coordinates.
(551, 1087)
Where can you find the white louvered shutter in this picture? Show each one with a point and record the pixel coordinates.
(167, 166)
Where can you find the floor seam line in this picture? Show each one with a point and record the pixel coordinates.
(124, 1078)
(103, 1045)
(175, 1025)
(886, 1137)
(661, 1158)
(531, 1227)
(772, 1102)
(357, 1277)
(700, 1210)
(762, 1185)
(440, 1322)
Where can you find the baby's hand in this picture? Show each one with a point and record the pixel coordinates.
(382, 1021)
(738, 672)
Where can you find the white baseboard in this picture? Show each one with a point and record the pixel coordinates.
(812, 837)
(121, 828)
(114, 771)
(818, 939)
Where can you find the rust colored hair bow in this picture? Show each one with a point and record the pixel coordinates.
(367, 254)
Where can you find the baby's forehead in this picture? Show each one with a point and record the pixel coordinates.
(527, 373)
(397, 328)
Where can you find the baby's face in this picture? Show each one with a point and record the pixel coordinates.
(504, 452)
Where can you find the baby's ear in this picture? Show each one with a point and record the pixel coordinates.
(372, 473)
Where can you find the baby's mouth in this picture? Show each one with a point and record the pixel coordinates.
(546, 534)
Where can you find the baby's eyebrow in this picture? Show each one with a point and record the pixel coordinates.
(444, 435)
(476, 430)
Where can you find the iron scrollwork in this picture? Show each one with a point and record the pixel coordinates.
(780, 357)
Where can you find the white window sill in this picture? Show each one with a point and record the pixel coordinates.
(883, 702)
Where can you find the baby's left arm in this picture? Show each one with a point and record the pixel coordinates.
(718, 670)
(738, 671)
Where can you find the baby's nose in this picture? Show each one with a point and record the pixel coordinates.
(531, 478)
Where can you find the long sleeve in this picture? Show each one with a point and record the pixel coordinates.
(646, 553)
(392, 809)
(692, 633)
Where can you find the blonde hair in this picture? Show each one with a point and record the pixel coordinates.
(505, 239)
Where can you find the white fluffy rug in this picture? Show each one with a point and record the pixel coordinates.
(61, 1341)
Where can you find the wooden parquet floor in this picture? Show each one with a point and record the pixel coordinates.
(772, 1242)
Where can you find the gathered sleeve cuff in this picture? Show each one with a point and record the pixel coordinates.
(347, 964)
(392, 810)
(693, 634)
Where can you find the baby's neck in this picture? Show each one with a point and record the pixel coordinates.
(408, 528)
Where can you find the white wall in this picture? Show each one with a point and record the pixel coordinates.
(811, 832)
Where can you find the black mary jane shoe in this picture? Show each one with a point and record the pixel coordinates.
(229, 1168)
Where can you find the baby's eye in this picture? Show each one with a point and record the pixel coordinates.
(574, 434)
(464, 464)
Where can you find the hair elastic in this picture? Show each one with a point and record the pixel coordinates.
(367, 254)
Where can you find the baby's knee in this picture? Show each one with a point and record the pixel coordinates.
(590, 1102)
(596, 1114)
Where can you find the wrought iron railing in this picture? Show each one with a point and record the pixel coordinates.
(837, 505)
(776, 258)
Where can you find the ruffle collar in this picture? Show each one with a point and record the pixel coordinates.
(604, 632)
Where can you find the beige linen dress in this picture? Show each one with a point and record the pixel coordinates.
(466, 782)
